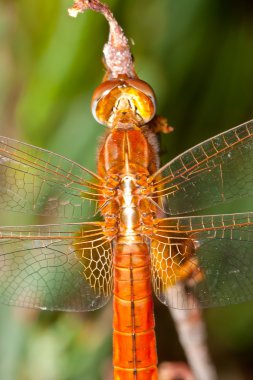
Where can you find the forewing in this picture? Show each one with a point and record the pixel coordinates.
(40, 182)
(55, 267)
(210, 256)
(215, 171)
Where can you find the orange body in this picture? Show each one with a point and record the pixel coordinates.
(133, 324)
(127, 154)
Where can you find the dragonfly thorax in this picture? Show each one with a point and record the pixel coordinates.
(123, 101)
(132, 212)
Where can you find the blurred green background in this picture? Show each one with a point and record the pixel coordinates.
(198, 56)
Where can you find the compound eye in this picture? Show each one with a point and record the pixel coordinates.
(103, 102)
(143, 87)
(119, 96)
(145, 101)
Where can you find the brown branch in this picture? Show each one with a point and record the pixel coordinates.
(117, 55)
(192, 334)
(177, 370)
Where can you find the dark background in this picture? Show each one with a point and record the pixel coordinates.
(198, 56)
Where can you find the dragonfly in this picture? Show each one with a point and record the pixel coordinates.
(134, 227)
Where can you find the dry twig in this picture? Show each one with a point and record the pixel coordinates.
(117, 55)
(192, 335)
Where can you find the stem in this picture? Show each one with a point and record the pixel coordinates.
(117, 55)
(192, 335)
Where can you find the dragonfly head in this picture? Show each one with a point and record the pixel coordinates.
(123, 101)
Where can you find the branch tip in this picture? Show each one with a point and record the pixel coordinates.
(117, 55)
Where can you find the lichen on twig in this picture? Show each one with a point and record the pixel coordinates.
(117, 55)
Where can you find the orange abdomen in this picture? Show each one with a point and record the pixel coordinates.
(134, 341)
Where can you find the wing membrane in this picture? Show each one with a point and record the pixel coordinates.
(211, 256)
(215, 171)
(56, 267)
(38, 181)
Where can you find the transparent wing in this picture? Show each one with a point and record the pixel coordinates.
(215, 171)
(37, 181)
(211, 256)
(55, 267)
